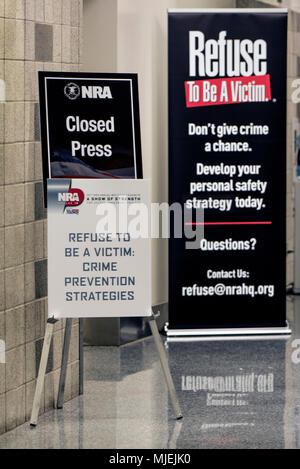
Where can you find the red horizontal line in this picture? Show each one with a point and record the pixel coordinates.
(233, 223)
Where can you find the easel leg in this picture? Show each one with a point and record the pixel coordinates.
(42, 372)
(64, 363)
(165, 367)
(81, 357)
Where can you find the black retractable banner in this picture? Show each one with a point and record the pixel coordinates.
(227, 156)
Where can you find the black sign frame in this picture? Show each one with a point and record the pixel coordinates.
(48, 130)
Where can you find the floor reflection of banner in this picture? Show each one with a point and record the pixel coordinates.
(232, 393)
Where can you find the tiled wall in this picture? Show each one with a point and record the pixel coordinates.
(34, 35)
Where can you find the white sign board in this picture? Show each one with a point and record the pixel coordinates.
(99, 248)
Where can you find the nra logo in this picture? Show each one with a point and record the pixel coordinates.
(96, 92)
(72, 198)
(73, 91)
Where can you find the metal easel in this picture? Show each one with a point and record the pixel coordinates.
(65, 354)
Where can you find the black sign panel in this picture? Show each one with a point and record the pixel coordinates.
(227, 156)
(90, 125)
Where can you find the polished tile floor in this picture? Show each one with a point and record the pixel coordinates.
(234, 394)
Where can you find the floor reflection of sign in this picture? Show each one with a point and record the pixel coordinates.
(232, 395)
(97, 269)
(90, 125)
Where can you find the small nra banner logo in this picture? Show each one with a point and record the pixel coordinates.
(252, 89)
(72, 198)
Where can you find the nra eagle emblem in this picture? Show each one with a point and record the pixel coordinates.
(72, 91)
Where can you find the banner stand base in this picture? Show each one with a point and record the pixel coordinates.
(230, 331)
(65, 353)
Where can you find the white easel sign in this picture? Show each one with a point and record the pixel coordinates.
(99, 259)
